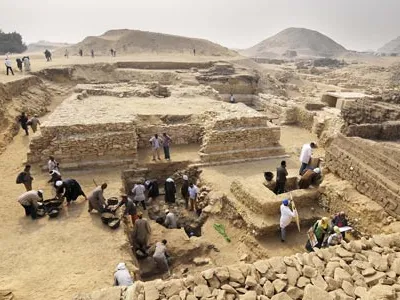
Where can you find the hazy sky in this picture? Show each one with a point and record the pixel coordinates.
(356, 24)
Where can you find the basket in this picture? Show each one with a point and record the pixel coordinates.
(114, 223)
(107, 217)
(53, 213)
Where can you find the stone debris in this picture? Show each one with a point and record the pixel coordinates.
(278, 279)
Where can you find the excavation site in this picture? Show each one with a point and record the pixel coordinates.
(206, 177)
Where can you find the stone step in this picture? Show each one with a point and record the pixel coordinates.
(242, 154)
(237, 161)
(125, 162)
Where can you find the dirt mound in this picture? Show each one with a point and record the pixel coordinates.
(392, 47)
(135, 41)
(305, 42)
(43, 45)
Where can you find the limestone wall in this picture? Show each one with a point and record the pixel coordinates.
(363, 269)
(372, 168)
(240, 139)
(181, 134)
(383, 131)
(85, 143)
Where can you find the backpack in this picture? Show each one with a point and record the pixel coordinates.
(20, 178)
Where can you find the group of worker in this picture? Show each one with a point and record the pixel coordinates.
(22, 63)
(157, 142)
(25, 122)
(309, 175)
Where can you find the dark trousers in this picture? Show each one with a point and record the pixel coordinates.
(10, 69)
(302, 168)
(25, 127)
(30, 211)
(143, 203)
(280, 187)
(166, 152)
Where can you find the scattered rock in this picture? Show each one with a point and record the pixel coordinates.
(348, 288)
(261, 266)
(292, 276)
(250, 295)
(382, 292)
(281, 296)
(368, 272)
(222, 273)
(312, 292)
(295, 293)
(302, 282)
(269, 289)
(250, 281)
(279, 285)
(319, 282)
(309, 271)
(341, 275)
(235, 275)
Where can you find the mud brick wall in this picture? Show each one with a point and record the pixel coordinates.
(365, 165)
(299, 115)
(181, 134)
(369, 111)
(384, 131)
(80, 142)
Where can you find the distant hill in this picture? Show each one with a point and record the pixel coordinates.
(392, 47)
(304, 41)
(43, 45)
(126, 41)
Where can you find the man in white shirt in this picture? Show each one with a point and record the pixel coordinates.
(286, 217)
(193, 191)
(8, 64)
(160, 256)
(232, 99)
(170, 220)
(155, 143)
(305, 156)
(139, 196)
(52, 164)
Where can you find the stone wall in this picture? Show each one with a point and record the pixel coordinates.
(181, 134)
(78, 145)
(240, 138)
(372, 168)
(383, 131)
(369, 111)
(367, 269)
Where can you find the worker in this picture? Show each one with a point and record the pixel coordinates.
(155, 143)
(70, 189)
(122, 277)
(138, 195)
(23, 120)
(320, 229)
(185, 190)
(34, 122)
(25, 178)
(96, 199)
(52, 164)
(336, 237)
(193, 192)
(130, 208)
(54, 177)
(281, 174)
(286, 217)
(141, 233)
(160, 256)
(170, 190)
(340, 220)
(170, 220)
(310, 177)
(305, 156)
(29, 201)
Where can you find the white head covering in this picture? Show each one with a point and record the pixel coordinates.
(54, 172)
(167, 211)
(317, 170)
(169, 179)
(59, 183)
(121, 266)
(185, 177)
(40, 191)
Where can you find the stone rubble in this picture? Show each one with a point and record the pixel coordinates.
(370, 272)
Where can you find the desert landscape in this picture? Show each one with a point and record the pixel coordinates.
(97, 114)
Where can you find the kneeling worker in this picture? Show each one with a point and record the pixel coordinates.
(310, 177)
(29, 201)
(122, 276)
(170, 220)
(96, 199)
(160, 256)
(286, 217)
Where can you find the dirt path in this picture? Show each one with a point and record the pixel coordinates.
(54, 258)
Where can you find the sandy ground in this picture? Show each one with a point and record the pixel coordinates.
(38, 62)
(55, 258)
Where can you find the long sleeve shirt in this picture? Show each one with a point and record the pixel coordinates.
(30, 198)
(286, 216)
(306, 153)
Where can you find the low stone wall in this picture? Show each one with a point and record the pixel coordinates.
(162, 65)
(181, 134)
(371, 168)
(77, 143)
(364, 269)
(300, 116)
(384, 131)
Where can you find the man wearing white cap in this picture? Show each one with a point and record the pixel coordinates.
(310, 177)
(29, 201)
(170, 220)
(122, 277)
(70, 189)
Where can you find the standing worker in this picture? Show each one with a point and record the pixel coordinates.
(8, 64)
(193, 191)
(52, 164)
(34, 122)
(96, 199)
(70, 189)
(166, 144)
(19, 64)
(155, 143)
(141, 233)
(305, 156)
(281, 174)
(170, 190)
(92, 53)
(185, 190)
(130, 208)
(25, 178)
(27, 63)
(23, 120)
(286, 218)
(29, 201)
(138, 195)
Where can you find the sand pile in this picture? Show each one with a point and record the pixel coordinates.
(135, 41)
(41, 46)
(392, 47)
(304, 41)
